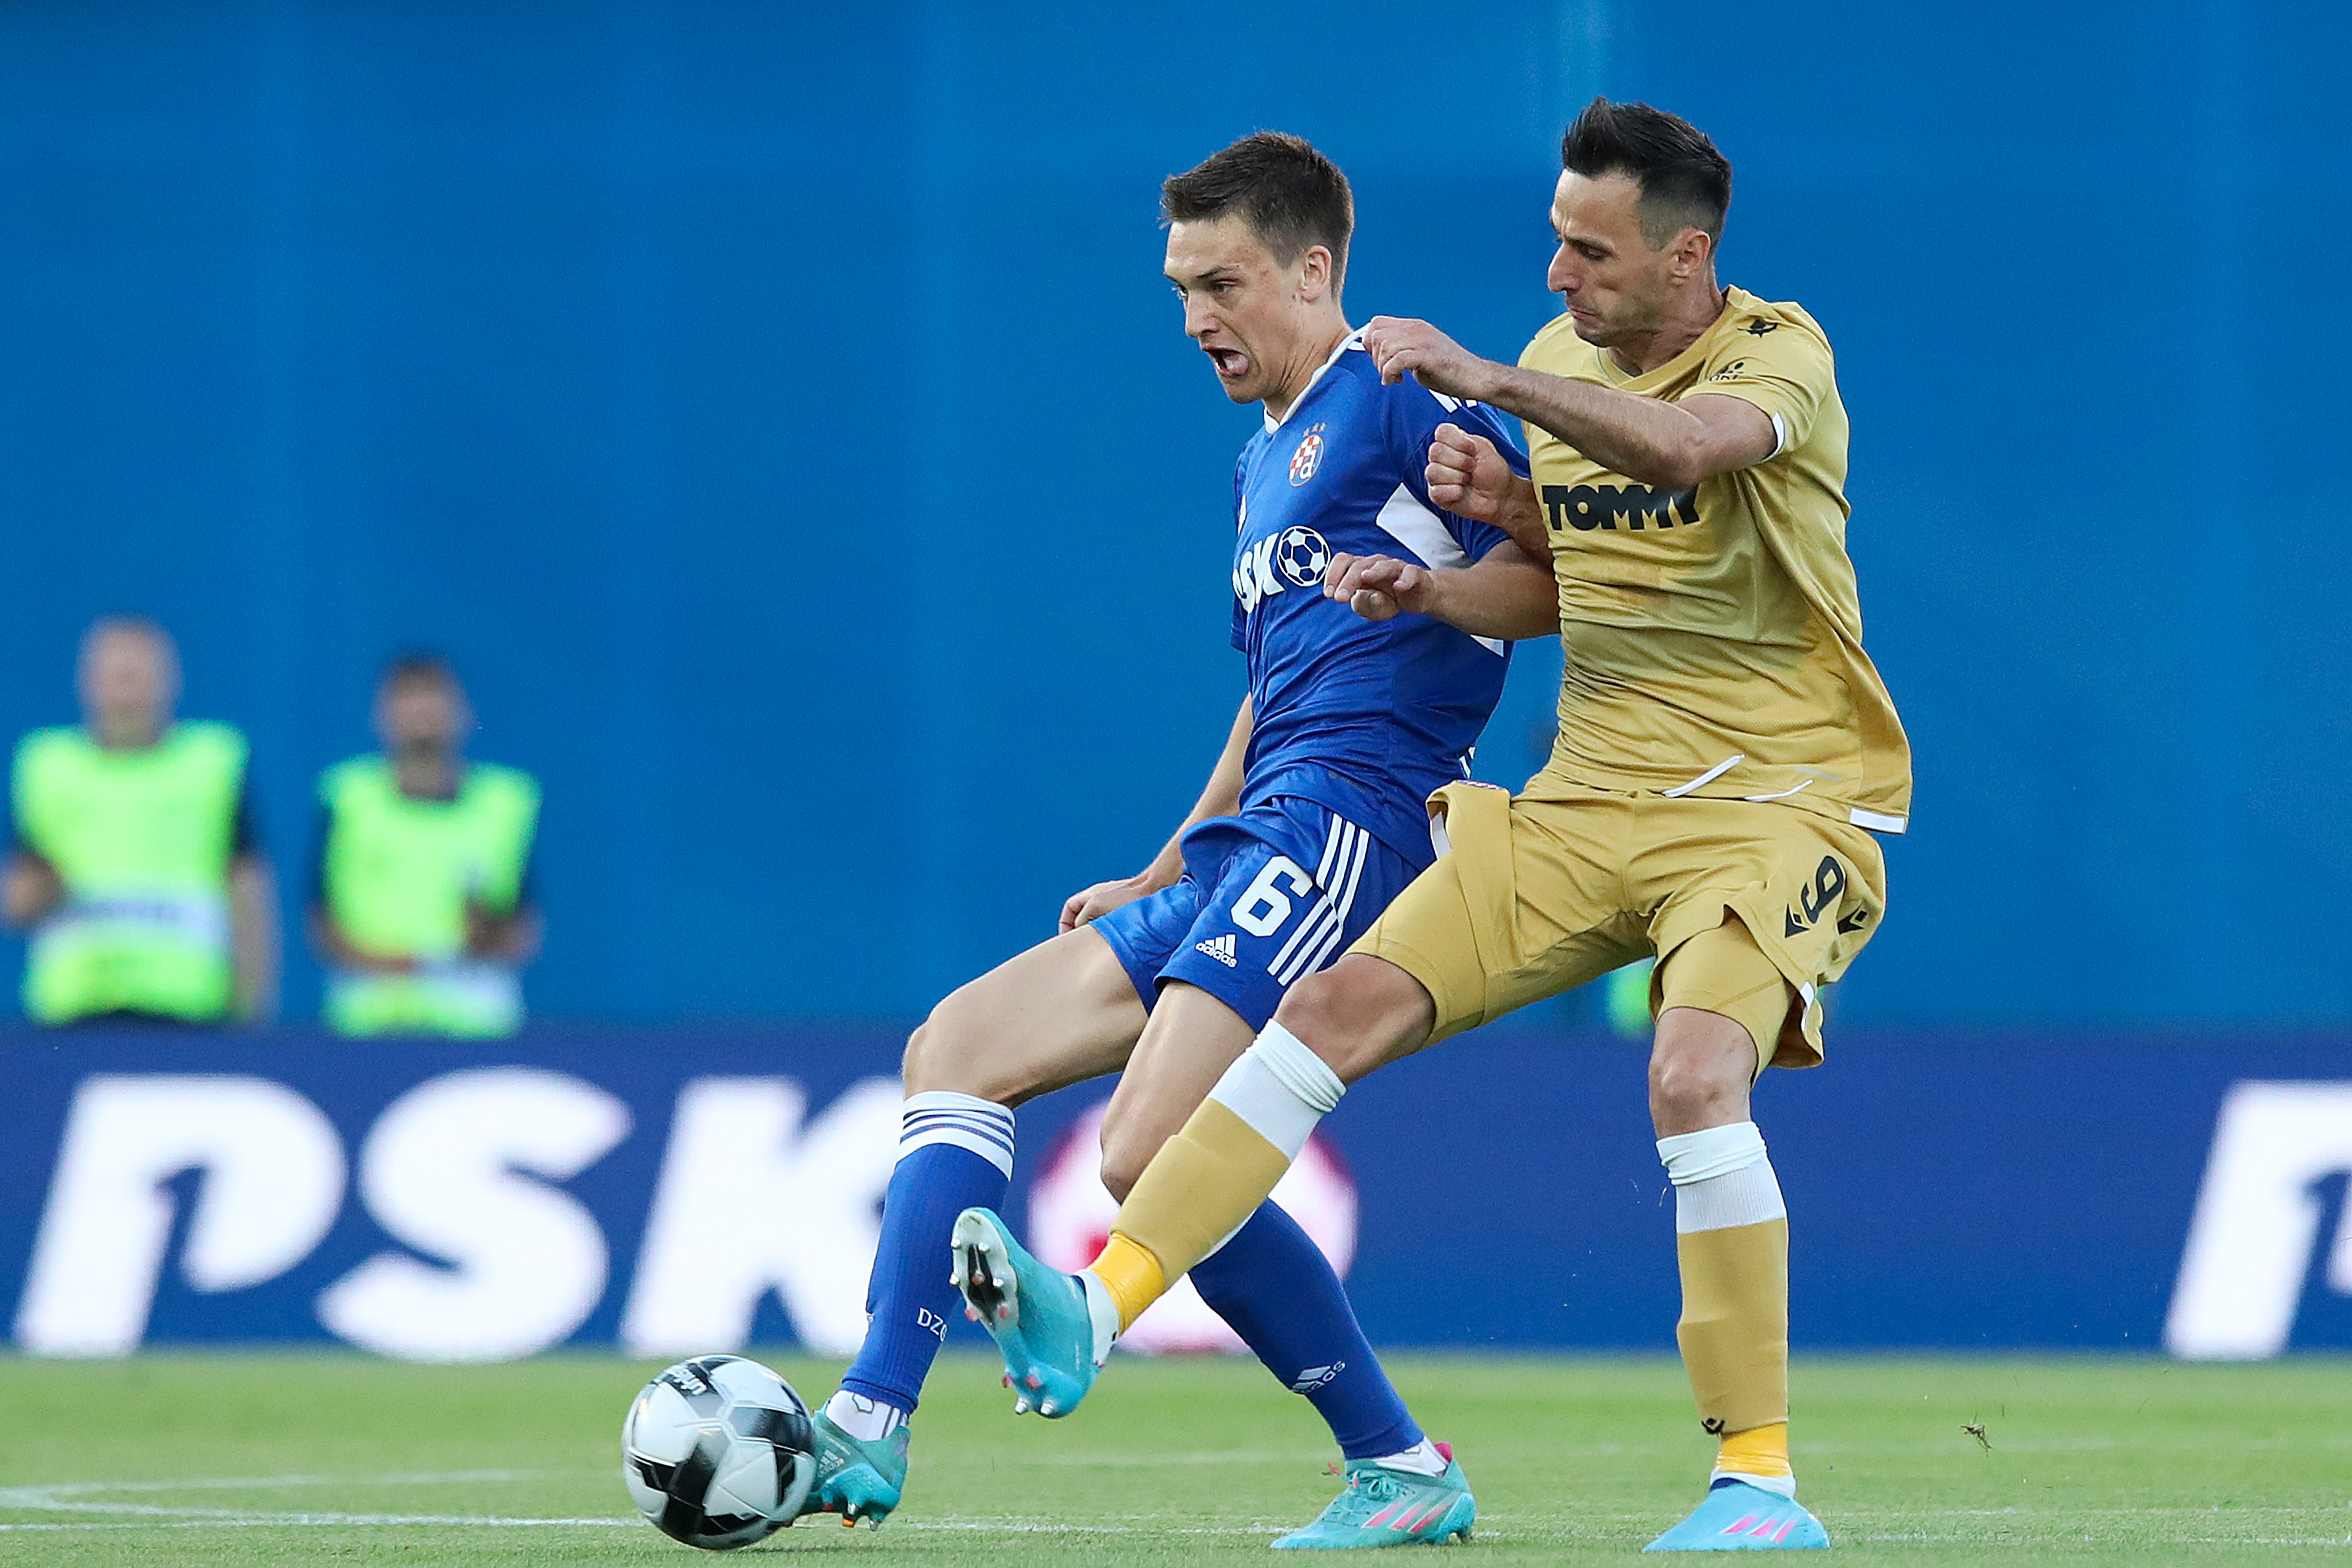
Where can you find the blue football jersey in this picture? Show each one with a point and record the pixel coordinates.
(1366, 718)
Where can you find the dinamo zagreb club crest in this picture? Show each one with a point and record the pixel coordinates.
(1308, 457)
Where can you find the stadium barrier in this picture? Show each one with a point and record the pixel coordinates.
(688, 1190)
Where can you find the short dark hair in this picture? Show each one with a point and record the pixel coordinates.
(419, 667)
(1686, 182)
(125, 624)
(1291, 195)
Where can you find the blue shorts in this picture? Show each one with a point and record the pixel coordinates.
(1268, 896)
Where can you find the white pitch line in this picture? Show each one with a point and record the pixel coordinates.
(80, 1498)
(1206, 1456)
(66, 1497)
(973, 1526)
(272, 1483)
(282, 1522)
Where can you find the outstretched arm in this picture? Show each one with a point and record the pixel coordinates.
(1220, 797)
(1671, 446)
(1505, 594)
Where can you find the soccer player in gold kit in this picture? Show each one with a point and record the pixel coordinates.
(1726, 752)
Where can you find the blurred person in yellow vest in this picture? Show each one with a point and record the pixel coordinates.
(136, 865)
(421, 896)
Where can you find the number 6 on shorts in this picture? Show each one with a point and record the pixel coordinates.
(1263, 907)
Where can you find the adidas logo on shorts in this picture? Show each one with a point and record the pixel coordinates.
(1221, 948)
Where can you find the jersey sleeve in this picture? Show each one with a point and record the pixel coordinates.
(1787, 371)
(1414, 414)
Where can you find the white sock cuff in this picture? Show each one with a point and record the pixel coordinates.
(1715, 1152)
(1748, 1195)
(1421, 1460)
(1302, 1071)
(1785, 1486)
(868, 1420)
(959, 1120)
(1275, 1093)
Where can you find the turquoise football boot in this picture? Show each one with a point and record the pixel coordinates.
(1737, 1517)
(1381, 1507)
(856, 1478)
(1054, 1329)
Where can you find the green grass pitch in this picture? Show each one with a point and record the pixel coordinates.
(234, 1459)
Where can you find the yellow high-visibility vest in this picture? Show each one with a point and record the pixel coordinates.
(141, 840)
(399, 874)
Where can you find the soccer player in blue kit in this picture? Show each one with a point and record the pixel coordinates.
(1313, 819)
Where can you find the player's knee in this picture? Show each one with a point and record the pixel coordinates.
(1132, 1132)
(945, 1053)
(1700, 1070)
(924, 1066)
(1357, 1014)
(1122, 1164)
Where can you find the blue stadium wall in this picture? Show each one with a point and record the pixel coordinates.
(776, 410)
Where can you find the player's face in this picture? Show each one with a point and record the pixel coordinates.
(1251, 314)
(1616, 286)
(423, 716)
(128, 682)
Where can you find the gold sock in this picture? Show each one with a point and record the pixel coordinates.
(1200, 1187)
(1759, 1451)
(1131, 1274)
(1735, 1325)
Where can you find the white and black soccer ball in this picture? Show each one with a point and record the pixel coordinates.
(718, 1451)
(1301, 555)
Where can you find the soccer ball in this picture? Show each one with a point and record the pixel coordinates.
(718, 1451)
(1302, 555)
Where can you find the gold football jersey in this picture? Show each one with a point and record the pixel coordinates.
(1713, 636)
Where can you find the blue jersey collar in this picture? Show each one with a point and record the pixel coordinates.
(1354, 339)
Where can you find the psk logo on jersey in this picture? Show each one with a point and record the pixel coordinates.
(1301, 555)
(1293, 557)
(1308, 457)
(1221, 948)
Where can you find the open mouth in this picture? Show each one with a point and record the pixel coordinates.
(1231, 363)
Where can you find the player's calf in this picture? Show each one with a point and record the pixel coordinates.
(1123, 1160)
(1204, 1182)
(1192, 1039)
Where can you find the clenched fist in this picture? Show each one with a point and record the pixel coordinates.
(1467, 475)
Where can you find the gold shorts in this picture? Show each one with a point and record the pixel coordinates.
(1539, 892)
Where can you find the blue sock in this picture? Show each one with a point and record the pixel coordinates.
(1274, 1285)
(955, 1152)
